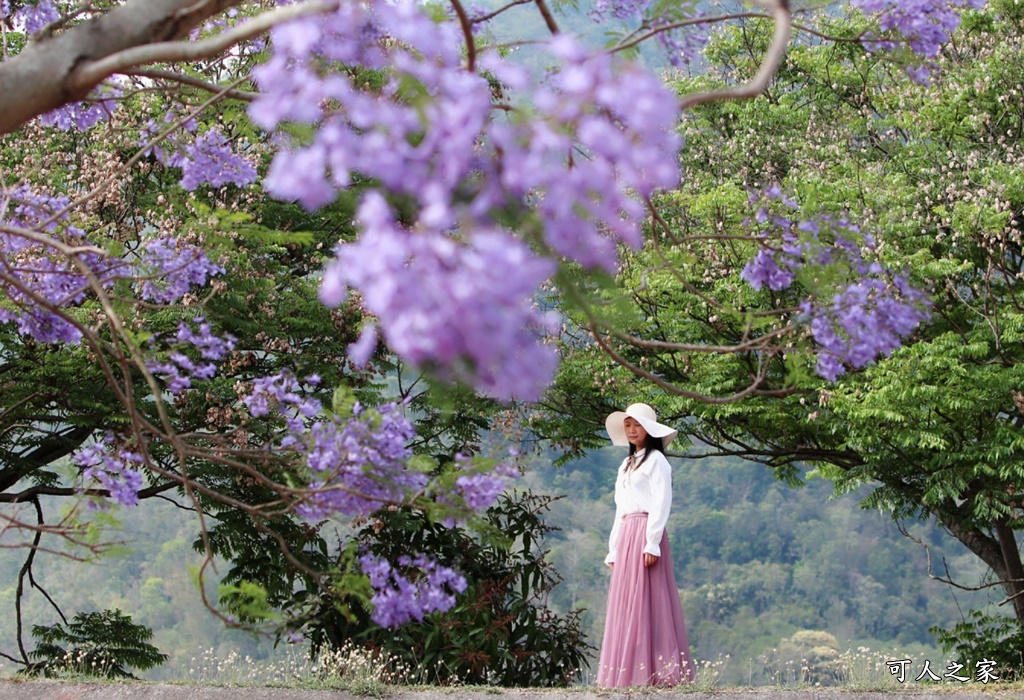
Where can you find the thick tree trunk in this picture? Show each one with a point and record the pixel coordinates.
(1014, 580)
(42, 77)
(1000, 553)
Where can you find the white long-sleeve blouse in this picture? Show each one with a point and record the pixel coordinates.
(647, 489)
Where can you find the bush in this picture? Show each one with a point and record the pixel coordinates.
(500, 631)
(103, 644)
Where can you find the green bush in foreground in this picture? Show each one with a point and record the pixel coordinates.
(103, 644)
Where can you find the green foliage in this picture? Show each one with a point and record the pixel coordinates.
(104, 644)
(982, 636)
(501, 630)
(246, 600)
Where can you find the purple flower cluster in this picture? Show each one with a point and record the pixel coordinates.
(358, 464)
(455, 306)
(37, 278)
(600, 134)
(414, 588)
(114, 466)
(867, 319)
(85, 114)
(281, 393)
(925, 25)
(168, 268)
(354, 464)
(566, 163)
(170, 150)
(41, 280)
(210, 159)
(479, 490)
(33, 17)
(179, 370)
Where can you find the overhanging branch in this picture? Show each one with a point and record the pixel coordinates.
(47, 73)
(772, 59)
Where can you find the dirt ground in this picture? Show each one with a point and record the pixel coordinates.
(52, 690)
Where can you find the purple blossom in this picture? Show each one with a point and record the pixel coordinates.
(36, 17)
(922, 26)
(179, 370)
(41, 281)
(361, 351)
(169, 268)
(863, 322)
(279, 393)
(358, 464)
(85, 114)
(866, 319)
(38, 279)
(414, 588)
(764, 271)
(170, 150)
(355, 463)
(114, 466)
(480, 491)
(210, 346)
(451, 305)
(210, 160)
(587, 143)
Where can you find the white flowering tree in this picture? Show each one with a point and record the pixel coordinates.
(477, 189)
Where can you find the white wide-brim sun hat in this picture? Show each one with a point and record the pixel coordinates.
(646, 417)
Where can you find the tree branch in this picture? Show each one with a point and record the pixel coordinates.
(93, 73)
(772, 59)
(46, 74)
(169, 75)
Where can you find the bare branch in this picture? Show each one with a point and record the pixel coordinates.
(191, 81)
(492, 15)
(671, 388)
(549, 19)
(772, 60)
(948, 578)
(467, 32)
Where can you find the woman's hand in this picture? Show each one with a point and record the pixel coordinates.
(649, 560)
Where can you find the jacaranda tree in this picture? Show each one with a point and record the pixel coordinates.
(478, 190)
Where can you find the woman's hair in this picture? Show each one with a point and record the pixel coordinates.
(650, 445)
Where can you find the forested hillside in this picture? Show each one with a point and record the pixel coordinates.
(151, 577)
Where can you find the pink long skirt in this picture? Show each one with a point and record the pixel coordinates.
(644, 634)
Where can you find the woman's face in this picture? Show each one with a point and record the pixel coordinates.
(635, 432)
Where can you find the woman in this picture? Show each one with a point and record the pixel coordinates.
(644, 635)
